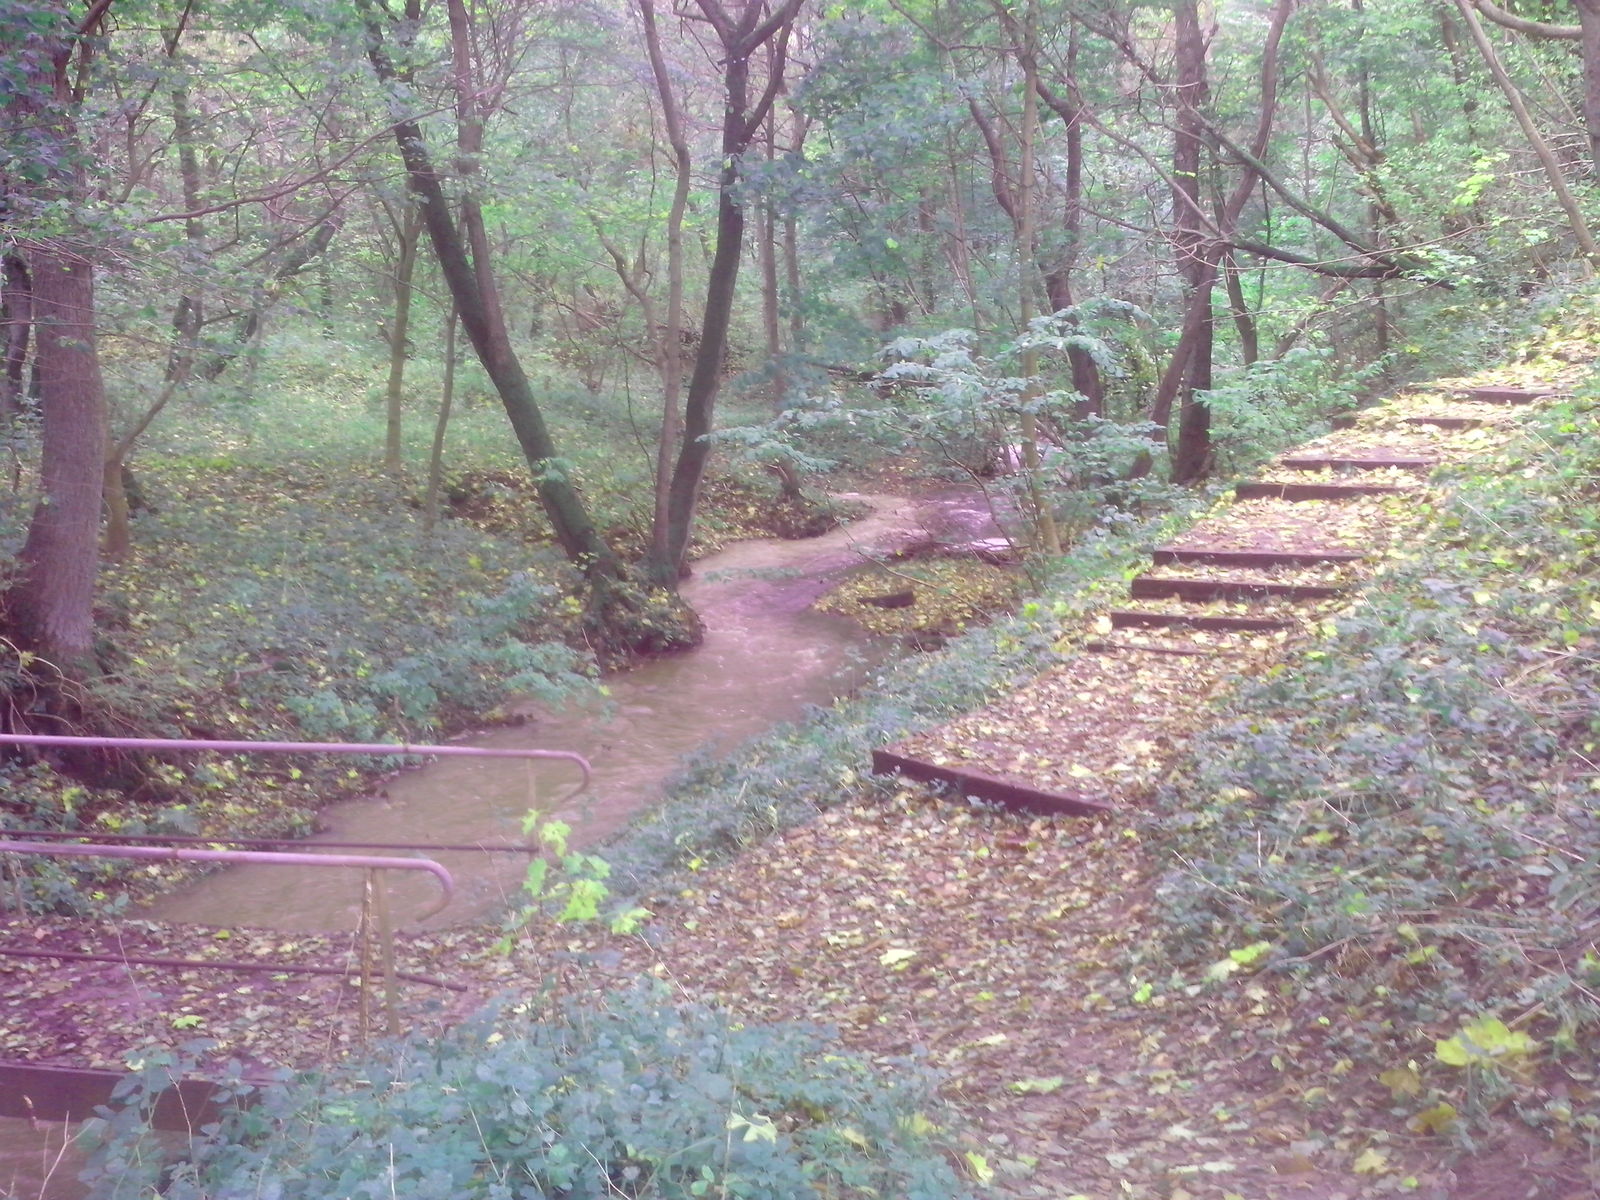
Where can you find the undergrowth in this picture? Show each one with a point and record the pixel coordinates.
(640, 1098)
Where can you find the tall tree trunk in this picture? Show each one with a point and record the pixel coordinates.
(791, 270)
(617, 610)
(1086, 379)
(485, 326)
(1048, 538)
(669, 338)
(1190, 370)
(767, 252)
(1196, 263)
(49, 610)
(699, 417)
(740, 33)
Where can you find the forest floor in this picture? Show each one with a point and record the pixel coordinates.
(1013, 951)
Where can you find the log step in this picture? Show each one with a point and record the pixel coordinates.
(1451, 422)
(1494, 394)
(1164, 555)
(1008, 792)
(1356, 462)
(1132, 618)
(1313, 491)
(1201, 591)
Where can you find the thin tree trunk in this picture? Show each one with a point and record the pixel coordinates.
(430, 506)
(410, 234)
(669, 339)
(1086, 379)
(1191, 367)
(740, 38)
(486, 330)
(16, 327)
(767, 249)
(1244, 321)
(791, 269)
(188, 318)
(1049, 538)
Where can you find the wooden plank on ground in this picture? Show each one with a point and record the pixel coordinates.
(1201, 591)
(1495, 394)
(1165, 555)
(1009, 792)
(1132, 618)
(1451, 422)
(1313, 491)
(1357, 461)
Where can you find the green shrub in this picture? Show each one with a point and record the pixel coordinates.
(638, 1097)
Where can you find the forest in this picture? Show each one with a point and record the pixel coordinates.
(376, 369)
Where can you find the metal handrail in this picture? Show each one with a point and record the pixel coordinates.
(384, 749)
(171, 839)
(282, 857)
(375, 905)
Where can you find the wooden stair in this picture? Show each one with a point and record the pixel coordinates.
(1167, 555)
(1130, 618)
(1036, 793)
(1203, 591)
(1357, 462)
(1313, 491)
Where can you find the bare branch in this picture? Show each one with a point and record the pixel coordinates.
(1538, 29)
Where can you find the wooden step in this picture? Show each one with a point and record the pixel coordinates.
(1010, 792)
(1495, 394)
(1313, 491)
(1357, 462)
(1133, 618)
(1451, 422)
(1201, 591)
(1164, 555)
(1186, 650)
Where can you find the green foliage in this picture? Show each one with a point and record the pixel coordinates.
(573, 891)
(636, 1097)
(968, 406)
(1278, 401)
